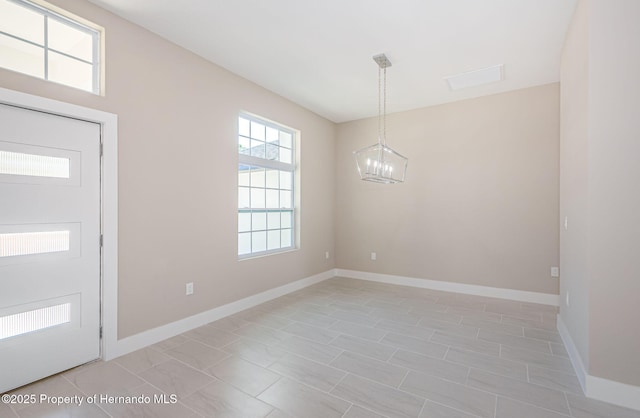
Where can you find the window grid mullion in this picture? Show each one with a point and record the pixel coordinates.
(18, 38)
(255, 162)
(69, 22)
(46, 47)
(70, 56)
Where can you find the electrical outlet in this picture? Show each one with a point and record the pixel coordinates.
(567, 299)
(555, 272)
(326, 255)
(189, 289)
(374, 256)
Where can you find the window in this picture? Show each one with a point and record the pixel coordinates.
(266, 183)
(38, 42)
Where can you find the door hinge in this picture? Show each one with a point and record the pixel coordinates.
(101, 240)
(100, 331)
(101, 149)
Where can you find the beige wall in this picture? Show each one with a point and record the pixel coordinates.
(600, 175)
(480, 204)
(614, 190)
(177, 175)
(573, 181)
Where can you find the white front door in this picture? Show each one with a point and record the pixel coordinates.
(49, 244)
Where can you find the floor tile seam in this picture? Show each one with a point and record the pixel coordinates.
(452, 381)
(368, 407)
(162, 391)
(259, 340)
(557, 390)
(266, 388)
(123, 368)
(254, 323)
(308, 339)
(103, 410)
(568, 375)
(245, 359)
(173, 356)
(73, 384)
(339, 381)
(211, 345)
(313, 388)
(537, 406)
(542, 339)
(325, 326)
(359, 323)
(361, 354)
(15, 413)
(569, 404)
(424, 403)
(344, 413)
(404, 378)
(193, 339)
(453, 407)
(520, 400)
(518, 347)
(398, 389)
(234, 387)
(288, 351)
(395, 331)
(187, 364)
(280, 376)
(486, 369)
(551, 331)
(470, 350)
(190, 409)
(345, 310)
(466, 379)
(329, 365)
(191, 393)
(412, 350)
(572, 373)
(522, 318)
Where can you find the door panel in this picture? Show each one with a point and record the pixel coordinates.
(49, 244)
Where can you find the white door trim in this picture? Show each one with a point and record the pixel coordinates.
(109, 187)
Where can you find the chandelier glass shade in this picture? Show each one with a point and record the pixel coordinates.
(378, 162)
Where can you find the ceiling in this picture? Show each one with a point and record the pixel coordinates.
(319, 53)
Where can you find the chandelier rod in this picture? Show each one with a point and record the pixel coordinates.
(383, 62)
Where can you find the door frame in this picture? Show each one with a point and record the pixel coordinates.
(108, 206)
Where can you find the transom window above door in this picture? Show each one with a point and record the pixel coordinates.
(49, 44)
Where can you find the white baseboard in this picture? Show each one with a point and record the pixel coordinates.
(574, 355)
(469, 289)
(613, 392)
(595, 387)
(152, 336)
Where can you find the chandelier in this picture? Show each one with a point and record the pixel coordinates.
(378, 162)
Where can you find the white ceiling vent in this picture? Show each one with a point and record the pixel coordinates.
(476, 77)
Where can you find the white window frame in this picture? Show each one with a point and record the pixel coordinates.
(68, 21)
(292, 167)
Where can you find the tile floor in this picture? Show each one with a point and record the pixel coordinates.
(342, 348)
